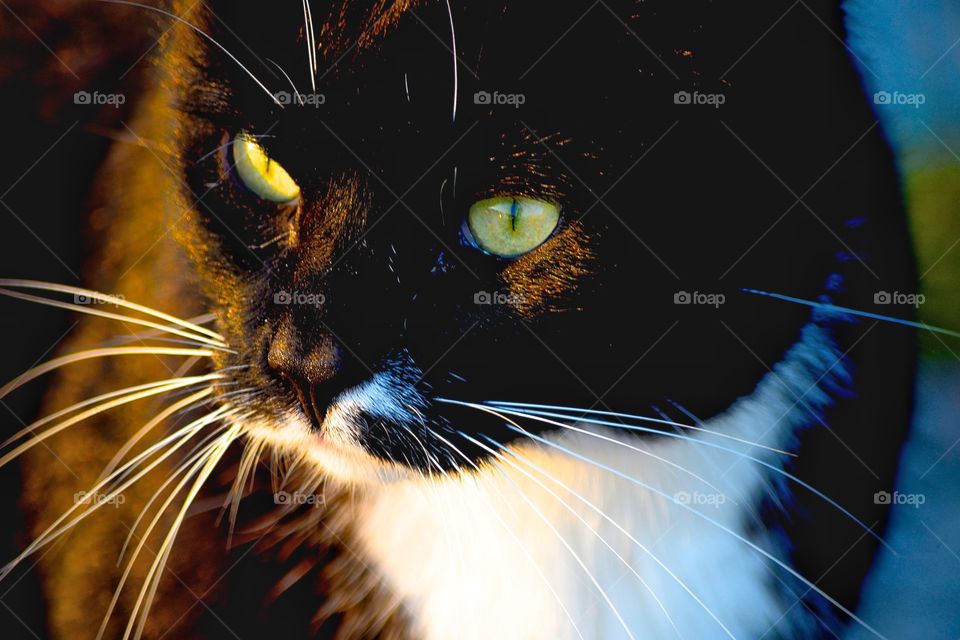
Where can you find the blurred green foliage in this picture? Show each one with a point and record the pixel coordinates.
(933, 196)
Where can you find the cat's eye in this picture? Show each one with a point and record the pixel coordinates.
(509, 226)
(260, 173)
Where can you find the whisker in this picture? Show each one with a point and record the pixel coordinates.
(673, 500)
(296, 91)
(200, 32)
(854, 312)
(103, 352)
(38, 438)
(52, 532)
(139, 339)
(453, 49)
(763, 463)
(154, 575)
(143, 539)
(613, 414)
(145, 429)
(248, 462)
(656, 457)
(620, 528)
(311, 44)
(562, 540)
(199, 450)
(110, 316)
(511, 533)
(573, 511)
(108, 299)
(33, 426)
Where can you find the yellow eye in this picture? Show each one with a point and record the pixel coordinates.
(260, 174)
(509, 226)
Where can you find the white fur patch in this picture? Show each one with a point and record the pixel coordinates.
(336, 452)
(496, 554)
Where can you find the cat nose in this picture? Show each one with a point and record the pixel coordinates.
(312, 372)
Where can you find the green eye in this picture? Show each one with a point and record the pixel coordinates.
(509, 226)
(262, 175)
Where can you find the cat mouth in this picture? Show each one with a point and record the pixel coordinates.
(334, 447)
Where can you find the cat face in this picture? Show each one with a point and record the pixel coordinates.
(562, 213)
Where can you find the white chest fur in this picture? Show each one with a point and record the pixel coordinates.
(543, 544)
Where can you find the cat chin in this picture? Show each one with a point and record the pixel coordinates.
(335, 453)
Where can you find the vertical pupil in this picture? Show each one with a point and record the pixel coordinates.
(514, 212)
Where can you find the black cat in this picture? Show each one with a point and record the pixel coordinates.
(489, 279)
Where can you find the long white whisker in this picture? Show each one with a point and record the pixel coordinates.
(154, 574)
(613, 414)
(562, 540)
(120, 302)
(201, 460)
(199, 450)
(37, 439)
(620, 528)
(296, 91)
(33, 426)
(763, 463)
(139, 339)
(248, 462)
(145, 429)
(204, 34)
(573, 511)
(650, 454)
(673, 500)
(52, 532)
(456, 71)
(104, 352)
(311, 44)
(109, 315)
(656, 457)
(633, 539)
(511, 533)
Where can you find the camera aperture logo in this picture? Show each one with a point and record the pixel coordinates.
(497, 99)
(287, 98)
(91, 300)
(715, 300)
(915, 500)
(915, 300)
(497, 298)
(296, 499)
(96, 98)
(98, 499)
(715, 500)
(287, 298)
(696, 98)
(898, 98)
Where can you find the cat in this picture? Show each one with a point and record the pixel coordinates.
(502, 291)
